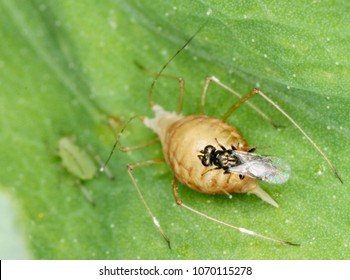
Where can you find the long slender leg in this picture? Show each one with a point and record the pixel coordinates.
(179, 79)
(86, 193)
(302, 131)
(297, 126)
(131, 167)
(242, 230)
(210, 79)
(126, 149)
(235, 106)
(136, 147)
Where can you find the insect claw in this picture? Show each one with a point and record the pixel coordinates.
(139, 65)
(290, 243)
(338, 176)
(275, 125)
(168, 242)
(251, 150)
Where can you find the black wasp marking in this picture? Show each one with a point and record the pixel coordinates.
(221, 158)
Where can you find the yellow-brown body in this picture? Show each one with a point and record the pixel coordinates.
(182, 140)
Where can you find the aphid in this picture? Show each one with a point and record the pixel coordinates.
(272, 170)
(184, 137)
(79, 163)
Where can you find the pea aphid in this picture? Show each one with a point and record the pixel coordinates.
(187, 140)
(79, 164)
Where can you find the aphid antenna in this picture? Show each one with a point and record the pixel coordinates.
(151, 101)
(153, 73)
(98, 159)
(116, 144)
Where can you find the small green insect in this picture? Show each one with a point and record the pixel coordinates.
(80, 163)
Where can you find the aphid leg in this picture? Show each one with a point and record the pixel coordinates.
(135, 147)
(86, 193)
(139, 146)
(227, 193)
(182, 93)
(330, 164)
(179, 79)
(277, 107)
(242, 230)
(126, 149)
(242, 100)
(210, 79)
(131, 167)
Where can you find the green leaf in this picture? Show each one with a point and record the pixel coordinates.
(67, 66)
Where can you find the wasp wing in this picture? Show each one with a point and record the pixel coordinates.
(272, 170)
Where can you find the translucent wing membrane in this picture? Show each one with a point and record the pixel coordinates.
(272, 170)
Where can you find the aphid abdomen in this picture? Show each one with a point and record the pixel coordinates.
(182, 140)
(181, 147)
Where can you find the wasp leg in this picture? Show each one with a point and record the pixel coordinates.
(131, 167)
(221, 146)
(242, 230)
